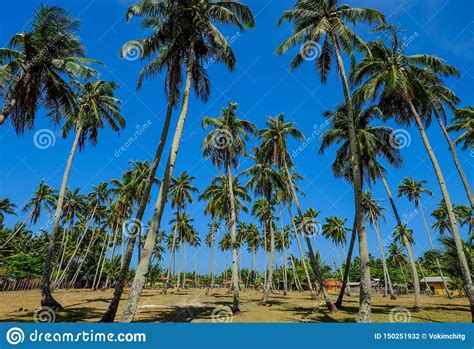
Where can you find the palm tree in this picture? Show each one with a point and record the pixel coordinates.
(253, 241)
(6, 207)
(181, 191)
(224, 144)
(192, 35)
(282, 244)
(96, 105)
(335, 230)
(374, 213)
(463, 121)
(37, 64)
(397, 258)
(274, 147)
(209, 241)
(43, 197)
(373, 142)
(325, 21)
(412, 189)
(402, 88)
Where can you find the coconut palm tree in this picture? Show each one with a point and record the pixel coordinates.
(463, 121)
(6, 207)
(224, 144)
(194, 36)
(374, 143)
(374, 214)
(209, 241)
(181, 193)
(413, 189)
(335, 230)
(402, 90)
(253, 241)
(37, 65)
(43, 197)
(274, 147)
(96, 105)
(282, 244)
(397, 257)
(326, 22)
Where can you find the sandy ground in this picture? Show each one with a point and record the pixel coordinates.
(193, 305)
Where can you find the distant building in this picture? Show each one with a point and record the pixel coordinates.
(435, 283)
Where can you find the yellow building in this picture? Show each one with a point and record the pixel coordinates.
(435, 283)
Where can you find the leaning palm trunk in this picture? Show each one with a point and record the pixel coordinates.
(414, 272)
(466, 273)
(17, 231)
(233, 236)
(109, 315)
(456, 161)
(438, 265)
(314, 264)
(47, 299)
(384, 263)
(84, 258)
(150, 241)
(112, 254)
(170, 264)
(268, 285)
(305, 267)
(295, 274)
(365, 301)
(73, 256)
(347, 267)
(99, 263)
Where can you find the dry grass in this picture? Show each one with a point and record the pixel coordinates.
(194, 306)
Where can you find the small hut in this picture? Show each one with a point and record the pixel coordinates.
(333, 285)
(435, 283)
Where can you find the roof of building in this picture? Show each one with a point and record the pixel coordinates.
(333, 283)
(434, 279)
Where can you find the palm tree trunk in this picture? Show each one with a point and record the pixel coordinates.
(365, 302)
(211, 275)
(452, 219)
(150, 241)
(109, 315)
(384, 263)
(184, 265)
(180, 255)
(233, 237)
(305, 267)
(295, 274)
(404, 276)
(86, 253)
(112, 254)
(456, 161)
(73, 256)
(314, 264)
(268, 285)
(47, 299)
(17, 231)
(102, 255)
(414, 272)
(438, 265)
(347, 266)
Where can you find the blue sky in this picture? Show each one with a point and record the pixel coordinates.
(262, 85)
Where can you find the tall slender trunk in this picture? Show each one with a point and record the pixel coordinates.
(295, 274)
(305, 267)
(171, 259)
(414, 272)
(112, 254)
(180, 257)
(86, 253)
(365, 301)
(404, 276)
(268, 285)
(466, 273)
(211, 248)
(184, 265)
(233, 238)
(150, 241)
(99, 263)
(73, 256)
(456, 161)
(314, 264)
(382, 256)
(438, 265)
(47, 299)
(347, 267)
(109, 315)
(17, 231)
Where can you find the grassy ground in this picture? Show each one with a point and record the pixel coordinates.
(194, 306)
